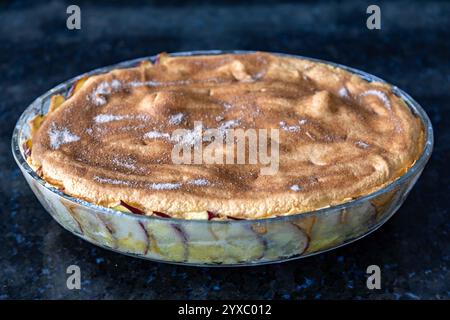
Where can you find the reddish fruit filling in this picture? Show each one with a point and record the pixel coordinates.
(71, 90)
(139, 211)
(233, 218)
(161, 214)
(211, 215)
(26, 149)
(131, 208)
(157, 59)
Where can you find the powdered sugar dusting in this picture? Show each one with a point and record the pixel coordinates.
(165, 186)
(184, 137)
(135, 84)
(199, 182)
(128, 164)
(287, 128)
(361, 144)
(380, 94)
(176, 118)
(103, 89)
(156, 135)
(151, 83)
(116, 84)
(189, 137)
(112, 181)
(227, 105)
(343, 92)
(105, 118)
(60, 136)
(229, 124)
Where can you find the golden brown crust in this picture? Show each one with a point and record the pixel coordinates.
(340, 136)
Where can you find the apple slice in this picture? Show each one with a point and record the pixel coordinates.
(161, 58)
(283, 239)
(145, 64)
(358, 219)
(58, 208)
(197, 215)
(55, 102)
(326, 232)
(240, 242)
(121, 208)
(129, 233)
(125, 207)
(383, 202)
(93, 227)
(335, 228)
(26, 147)
(35, 123)
(76, 86)
(168, 240)
(203, 246)
(305, 223)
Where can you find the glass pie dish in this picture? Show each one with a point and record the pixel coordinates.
(218, 242)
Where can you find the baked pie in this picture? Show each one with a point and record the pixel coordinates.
(110, 141)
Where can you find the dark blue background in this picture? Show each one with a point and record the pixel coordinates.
(412, 50)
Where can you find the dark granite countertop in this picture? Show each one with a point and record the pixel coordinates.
(412, 50)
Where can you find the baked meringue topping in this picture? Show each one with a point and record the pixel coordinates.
(110, 141)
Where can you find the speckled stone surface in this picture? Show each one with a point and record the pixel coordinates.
(411, 50)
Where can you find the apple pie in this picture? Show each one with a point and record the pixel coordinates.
(110, 141)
